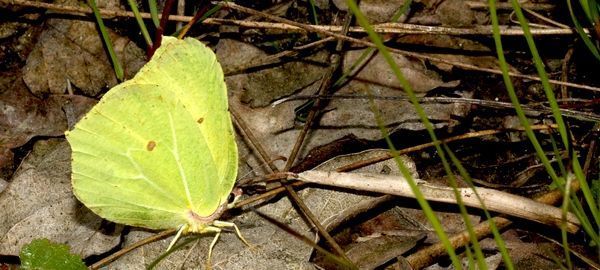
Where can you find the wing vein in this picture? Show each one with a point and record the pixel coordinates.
(147, 180)
(175, 153)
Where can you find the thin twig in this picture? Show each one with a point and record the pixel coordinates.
(112, 257)
(533, 110)
(271, 59)
(508, 5)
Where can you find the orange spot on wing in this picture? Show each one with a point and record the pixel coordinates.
(150, 146)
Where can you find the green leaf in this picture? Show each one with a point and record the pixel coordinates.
(158, 151)
(43, 254)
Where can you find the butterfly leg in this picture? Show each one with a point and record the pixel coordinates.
(182, 229)
(224, 224)
(212, 245)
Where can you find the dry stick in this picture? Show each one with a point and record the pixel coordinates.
(271, 59)
(403, 28)
(311, 28)
(564, 76)
(429, 255)
(495, 201)
(383, 157)
(388, 28)
(508, 5)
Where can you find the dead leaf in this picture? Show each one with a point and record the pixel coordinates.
(455, 13)
(376, 11)
(71, 51)
(261, 87)
(39, 203)
(377, 74)
(379, 250)
(26, 116)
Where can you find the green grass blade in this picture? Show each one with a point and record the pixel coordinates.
(508, 264)
(584, 36)
(569, 200)
(154, 12)
(107, 41)
(593, 9)
(313, 12)
(512, 94)
(539, 65)
(587, 193)
(427, 210)
(140, 21)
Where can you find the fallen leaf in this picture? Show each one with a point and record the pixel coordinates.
(39, 203)
(376, 73)
(376, 11)
(26, 116)
(267, 84)
(71, 51)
